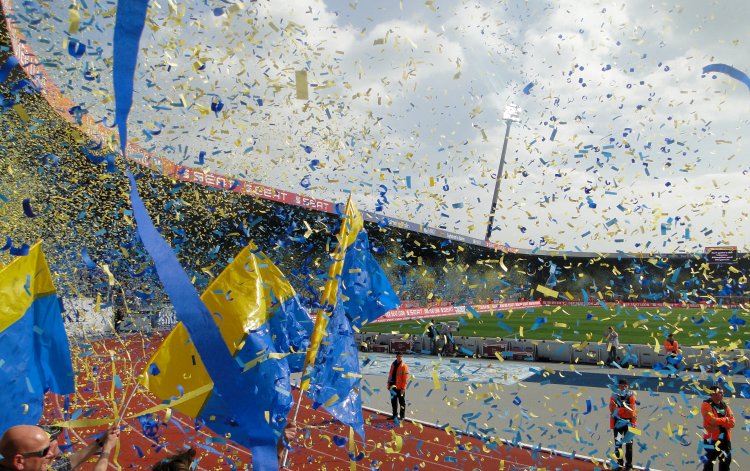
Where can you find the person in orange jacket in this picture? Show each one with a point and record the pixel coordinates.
(672, 349)
(622, 416)
(398, 379)
(718, 422)
(671, 346)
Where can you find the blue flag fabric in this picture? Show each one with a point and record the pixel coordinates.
(34, 351)
(366, 294)
(336, 376)
(369, 293)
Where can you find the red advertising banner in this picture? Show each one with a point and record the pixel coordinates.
(446, 311)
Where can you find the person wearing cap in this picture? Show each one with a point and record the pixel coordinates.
(398, 379)
(33, 448)
(718, 422)
(623, 416)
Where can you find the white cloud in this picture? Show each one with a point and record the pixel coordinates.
(416, 91)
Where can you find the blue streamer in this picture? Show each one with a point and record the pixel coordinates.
(730, 71)
(229, 385)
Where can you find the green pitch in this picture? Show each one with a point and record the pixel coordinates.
(581, 323)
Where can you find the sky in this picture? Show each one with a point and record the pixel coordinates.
(622, 144)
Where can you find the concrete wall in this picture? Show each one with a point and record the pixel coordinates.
(569, 352)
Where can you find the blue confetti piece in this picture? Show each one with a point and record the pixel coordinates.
(217, 105)
(527, 88)
(9, 64)
(76, 48)
(27, 209)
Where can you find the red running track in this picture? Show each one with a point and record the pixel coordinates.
(323, 443)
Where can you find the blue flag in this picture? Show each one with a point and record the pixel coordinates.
(34, 351)
(367, 292)
(335, 377)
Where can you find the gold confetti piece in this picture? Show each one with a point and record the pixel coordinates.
(502, 263)
(398, 443)
(21, 111)
(111, 277)
(75, 21)
(546, 291)
(300, 77)
(333, 399)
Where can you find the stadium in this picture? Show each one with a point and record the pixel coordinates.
(520, 377)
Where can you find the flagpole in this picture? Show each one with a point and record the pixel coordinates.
(329, 300)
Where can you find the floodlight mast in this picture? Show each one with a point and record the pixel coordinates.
(512, 114)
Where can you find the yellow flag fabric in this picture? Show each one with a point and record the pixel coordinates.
(22, 282)
(240, 300)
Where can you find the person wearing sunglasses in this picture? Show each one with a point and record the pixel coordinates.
(26, 447)
(33, 448)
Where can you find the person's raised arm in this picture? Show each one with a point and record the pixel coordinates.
(110, 442)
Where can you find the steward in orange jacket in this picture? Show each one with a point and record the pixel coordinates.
(718, 422)
(398, 379)
(671, 346)
(622, 416)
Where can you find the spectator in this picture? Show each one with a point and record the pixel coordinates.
(29, 447)
(398, 379)
(104, 443)
(179, 462)
(289, 434)
(432, 334)
(446, 338)
(623, 416)
(718, 422)
(613, 343)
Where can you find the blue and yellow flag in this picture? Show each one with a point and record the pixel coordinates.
(357, 291)
(266, 330)
(350, 228)
(34, 351)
